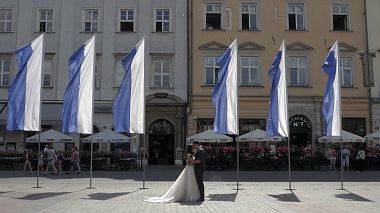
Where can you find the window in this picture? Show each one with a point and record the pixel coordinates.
(45, 20)
(48, 72)
(249, 17)
(296, 17)
(298, 71)
(249, 67)
(6, 20)
(5, 71)
(346, 70)
(213, 16)
(212, 70)
(119, 72)
(161, 73)
(162, 21)
(126, 20)
(90, 20)
(340, 17)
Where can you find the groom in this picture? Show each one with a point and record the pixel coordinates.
(199, 167)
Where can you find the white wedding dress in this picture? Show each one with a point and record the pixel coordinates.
(184, 189)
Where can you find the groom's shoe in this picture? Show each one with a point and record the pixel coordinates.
(200, 200)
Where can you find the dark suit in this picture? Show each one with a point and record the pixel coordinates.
(199, 168)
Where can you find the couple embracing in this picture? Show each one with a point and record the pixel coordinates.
(189, 185)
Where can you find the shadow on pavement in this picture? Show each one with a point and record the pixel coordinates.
(107, 196)
(223, 197)
(352, 197)
(2, 192)
(288, 197)
(190, 203)
(39, 196)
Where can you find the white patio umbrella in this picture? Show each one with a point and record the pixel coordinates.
(50, 136)
(208, 136)
(256, 135)
(105, 136)
(347, 137)
(374, 137)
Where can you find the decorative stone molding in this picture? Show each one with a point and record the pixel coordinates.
(251, 46)
(213, 46)
(298, 46)
(343, 47)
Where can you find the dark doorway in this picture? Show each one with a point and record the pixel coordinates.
(161, 143)
(300, 131)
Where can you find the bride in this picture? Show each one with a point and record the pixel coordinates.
(184, 189)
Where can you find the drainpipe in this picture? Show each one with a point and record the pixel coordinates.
(368, 67)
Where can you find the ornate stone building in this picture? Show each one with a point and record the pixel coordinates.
(118, 25)
(309, 29)
(373, 25)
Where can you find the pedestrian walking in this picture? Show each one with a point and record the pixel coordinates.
(332, 157)
(60, 159)
(51, 159)
(75, 161)
(360, 160)
(346, 154)
(28, 161)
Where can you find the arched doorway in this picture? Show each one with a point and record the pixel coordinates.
(161, 142)
(300, 131)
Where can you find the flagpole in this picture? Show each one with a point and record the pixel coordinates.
(289, 167)
(237, 161)
(92, 117)
(39, 133)
(91, 164)
(38, 158)
(143, 163)
(341, 162)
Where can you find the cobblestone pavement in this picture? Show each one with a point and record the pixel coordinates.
(259, 192)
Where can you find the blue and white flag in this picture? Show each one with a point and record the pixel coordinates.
(129, 104)
(277, 124)
(24, 97)
(331, 107)
(224, 94)
(77, 109)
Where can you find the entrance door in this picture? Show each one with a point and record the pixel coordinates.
(300, 131)
(161, 143)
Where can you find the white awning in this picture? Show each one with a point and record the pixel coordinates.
(107, 136)
(375, 137)
(50, 136)
(208, 136)
(347, 137)
(257, 135)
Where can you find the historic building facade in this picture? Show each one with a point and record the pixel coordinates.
(118, 26)
(309, 28)
(373, 25)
